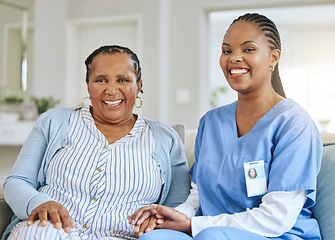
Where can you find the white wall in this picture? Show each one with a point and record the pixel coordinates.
(173, 51)
(49, 48)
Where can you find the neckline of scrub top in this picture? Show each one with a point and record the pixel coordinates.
(260, 121)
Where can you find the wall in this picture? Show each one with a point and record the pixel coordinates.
(174, 53)
(188, 42)
(49, 48)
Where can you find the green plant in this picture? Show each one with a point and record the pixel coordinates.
(324, 124)
(12, 99)
(44, 103)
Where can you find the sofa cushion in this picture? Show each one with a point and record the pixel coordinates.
(190, 136)
(180, 129)
(324, 209)
(328, 138)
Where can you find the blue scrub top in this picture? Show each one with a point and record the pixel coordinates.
(285, 138)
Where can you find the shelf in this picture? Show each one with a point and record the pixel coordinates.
(14, 133)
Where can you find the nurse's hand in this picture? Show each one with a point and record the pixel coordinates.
(173, 219)
(53, 211)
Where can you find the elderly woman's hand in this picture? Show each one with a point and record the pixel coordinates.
(142, 214)
(56, 212)
(147, 225)
(144, 220)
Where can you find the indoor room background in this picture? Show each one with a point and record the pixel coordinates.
(178, 43)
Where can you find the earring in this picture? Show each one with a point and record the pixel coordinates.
(140, 102)
(83, 103)
(270, 68)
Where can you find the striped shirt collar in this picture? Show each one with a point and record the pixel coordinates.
(89, 122)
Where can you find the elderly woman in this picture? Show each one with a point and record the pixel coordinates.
(82, 171)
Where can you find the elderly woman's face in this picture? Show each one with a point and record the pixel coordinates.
(112, 87)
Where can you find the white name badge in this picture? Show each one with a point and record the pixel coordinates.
(255, 178)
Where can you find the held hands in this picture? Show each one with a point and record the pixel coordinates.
(148, 224)
(159, 217)
(144, 220)
(56, 212)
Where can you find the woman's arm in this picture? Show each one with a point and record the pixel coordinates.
(27, 175)
(276, 215)
(191, 206)
(21, 186)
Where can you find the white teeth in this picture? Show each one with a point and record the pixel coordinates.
(238, 71)
(113, 103)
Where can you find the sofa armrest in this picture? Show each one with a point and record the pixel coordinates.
(324, 209)
(5, 213)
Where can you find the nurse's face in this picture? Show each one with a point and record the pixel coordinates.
(246, 58)
(112, 87)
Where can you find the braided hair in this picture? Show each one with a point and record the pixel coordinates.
(271, 33)
(111, 49)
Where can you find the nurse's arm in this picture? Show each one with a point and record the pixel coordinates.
(275, 216)
(191, 206)
(173, 219)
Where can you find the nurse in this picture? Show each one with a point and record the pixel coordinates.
(263, 131)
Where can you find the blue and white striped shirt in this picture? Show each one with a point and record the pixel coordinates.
(100, 184)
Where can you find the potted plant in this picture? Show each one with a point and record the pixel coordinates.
(44, 103)
(10, 108)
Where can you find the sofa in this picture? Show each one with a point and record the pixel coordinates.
(323, 211)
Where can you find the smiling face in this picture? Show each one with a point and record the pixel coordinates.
(112, 87)
(252, 173)
(246, 58)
